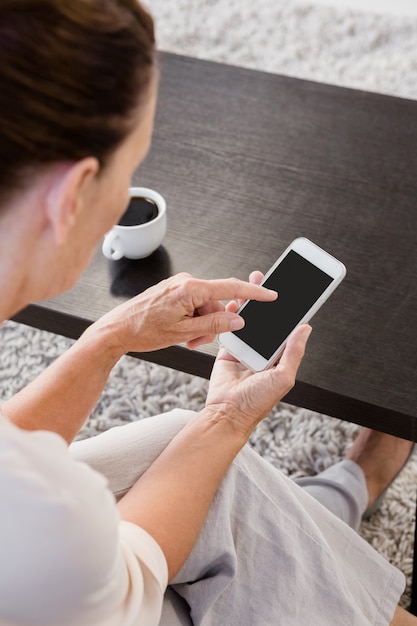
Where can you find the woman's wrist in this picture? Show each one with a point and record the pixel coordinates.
(228, 417)
(102, 339)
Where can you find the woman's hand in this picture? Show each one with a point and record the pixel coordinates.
(247, 397)
(181, 309)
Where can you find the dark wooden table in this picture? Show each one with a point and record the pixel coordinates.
(247, 161)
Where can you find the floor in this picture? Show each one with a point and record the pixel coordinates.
(395, 7)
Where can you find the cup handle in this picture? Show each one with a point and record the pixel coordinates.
(112, 246)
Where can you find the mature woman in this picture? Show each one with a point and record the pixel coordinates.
(240, 543)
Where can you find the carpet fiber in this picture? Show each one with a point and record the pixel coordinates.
(361, 50)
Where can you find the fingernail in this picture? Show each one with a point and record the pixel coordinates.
(237, 323)
(275, 293)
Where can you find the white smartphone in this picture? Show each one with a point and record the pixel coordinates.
(304, 276)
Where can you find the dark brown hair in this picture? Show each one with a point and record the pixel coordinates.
(72, 75)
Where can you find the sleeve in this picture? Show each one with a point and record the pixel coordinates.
(148, 575)
(61, 519)
(133, 590)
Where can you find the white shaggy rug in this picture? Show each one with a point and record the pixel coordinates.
(362, 50)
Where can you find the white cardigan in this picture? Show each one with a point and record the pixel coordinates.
(66, 557)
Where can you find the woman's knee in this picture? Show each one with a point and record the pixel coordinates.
(123, 453)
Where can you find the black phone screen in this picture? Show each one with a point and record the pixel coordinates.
(267, 324)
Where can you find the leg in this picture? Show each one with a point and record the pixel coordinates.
(341, 489)
(351, 487)
(269, 553)
(265, 544)
(381, 457)
(123, 453)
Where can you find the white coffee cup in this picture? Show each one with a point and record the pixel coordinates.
(138, 240)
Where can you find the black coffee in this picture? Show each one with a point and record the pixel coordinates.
(139, 211)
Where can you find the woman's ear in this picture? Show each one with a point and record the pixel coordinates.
(67, 193)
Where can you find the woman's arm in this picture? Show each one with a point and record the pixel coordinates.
(62, 397)
(171, 500)
(180, 309)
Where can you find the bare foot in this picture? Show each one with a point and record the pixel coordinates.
(381, 457)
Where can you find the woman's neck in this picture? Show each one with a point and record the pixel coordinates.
(19, 230)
